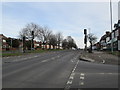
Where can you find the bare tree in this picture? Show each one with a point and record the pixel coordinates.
(69, 43)
(92, 39)
(46, 34)
(40, 34)
(53, 41)
(59, 38)
(64, 44)
(27, 31)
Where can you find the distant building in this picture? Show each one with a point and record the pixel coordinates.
(4, 46)
(111, 37)
(105, 41)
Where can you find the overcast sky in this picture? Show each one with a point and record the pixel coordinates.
(70, 18)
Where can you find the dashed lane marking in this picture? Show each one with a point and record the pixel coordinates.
(71, 77)
(44, 61)
(82, 74)
(35, 56)
(81, 83)
(70, 80)
(82, 78)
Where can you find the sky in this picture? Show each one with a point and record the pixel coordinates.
(70, 18)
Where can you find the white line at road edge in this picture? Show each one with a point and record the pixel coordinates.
(70, 80)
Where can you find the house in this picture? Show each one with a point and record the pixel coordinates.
(116, 36)
(3, 45)
(111, 39)
(104, 41)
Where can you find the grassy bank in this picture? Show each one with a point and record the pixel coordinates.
(117, 53)
(27, 52)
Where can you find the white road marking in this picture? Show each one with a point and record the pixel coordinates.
(69, 82)
(82, 74)
(53, 58)
(71, 77)
(81, 83)
(72, 74)
(67, 87)
(82, 78)
(29, 57)
(35, 56)
(44, 61)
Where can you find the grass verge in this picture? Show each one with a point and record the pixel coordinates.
(27, 52)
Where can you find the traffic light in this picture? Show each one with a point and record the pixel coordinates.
(33, 34)
(85, 31)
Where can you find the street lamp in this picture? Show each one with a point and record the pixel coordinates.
(111, 26)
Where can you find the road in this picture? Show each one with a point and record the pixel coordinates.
(57, 69)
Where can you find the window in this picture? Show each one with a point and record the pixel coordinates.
(116, 33)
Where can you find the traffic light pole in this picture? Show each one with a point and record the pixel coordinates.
(32, 41)
(85, 39)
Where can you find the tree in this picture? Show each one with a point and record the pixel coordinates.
(69, 43)
(46, 34)
(13, 42)
(27, 31)
(59, 38)
(92, 39)
(64, 44)
(52, 41)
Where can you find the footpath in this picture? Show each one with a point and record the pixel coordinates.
(100, 57)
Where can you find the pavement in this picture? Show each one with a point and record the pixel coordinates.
(100, 57)
(58, 69)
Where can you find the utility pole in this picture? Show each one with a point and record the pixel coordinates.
(85, 39)
(111, 26)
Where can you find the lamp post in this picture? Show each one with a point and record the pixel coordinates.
(111, 26)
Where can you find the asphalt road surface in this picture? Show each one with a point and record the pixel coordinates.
(57, 69)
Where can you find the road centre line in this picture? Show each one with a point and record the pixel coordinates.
(69, 82)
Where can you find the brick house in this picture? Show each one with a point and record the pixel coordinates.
(116, 36)
(105, 41)
(3, 45)
(111, 37)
